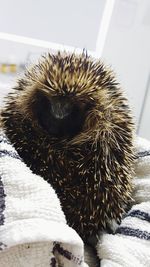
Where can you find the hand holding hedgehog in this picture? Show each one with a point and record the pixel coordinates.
(71, 124)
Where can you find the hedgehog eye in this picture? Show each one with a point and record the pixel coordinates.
(86, 106)
(41, 105)
(42, 100)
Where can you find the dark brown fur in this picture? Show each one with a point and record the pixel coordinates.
(92, 171)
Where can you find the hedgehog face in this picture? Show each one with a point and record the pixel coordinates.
(73, 98)
(60, 116)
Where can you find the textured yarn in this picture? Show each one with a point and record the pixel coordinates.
(130, 244)
(33, 229)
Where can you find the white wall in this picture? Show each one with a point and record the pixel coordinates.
(144, 127)
(67, 22)
(127, 48)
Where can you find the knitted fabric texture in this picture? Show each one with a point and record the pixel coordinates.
(130, 244)
(33, 229)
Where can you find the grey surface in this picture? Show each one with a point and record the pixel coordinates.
(74, 23)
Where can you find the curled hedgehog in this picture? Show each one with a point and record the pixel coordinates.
(71, 123)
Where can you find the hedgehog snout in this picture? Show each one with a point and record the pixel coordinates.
(61, 107)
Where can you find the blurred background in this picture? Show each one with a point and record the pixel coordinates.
(118, 31)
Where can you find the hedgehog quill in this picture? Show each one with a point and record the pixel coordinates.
(71, 123)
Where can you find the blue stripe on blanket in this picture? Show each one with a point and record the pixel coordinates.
(53, 262)
(12, 154)
(67, 254)
(143, 154)
(4, 139)
(2, 202)
(140, 215)
(4, 152)
(133, 232)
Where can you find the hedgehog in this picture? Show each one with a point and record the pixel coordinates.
(70, 122)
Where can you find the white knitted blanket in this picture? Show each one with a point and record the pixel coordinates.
(130, 244)
(33, 229)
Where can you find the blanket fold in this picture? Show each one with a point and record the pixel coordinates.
(33, 228)
(130, 244)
